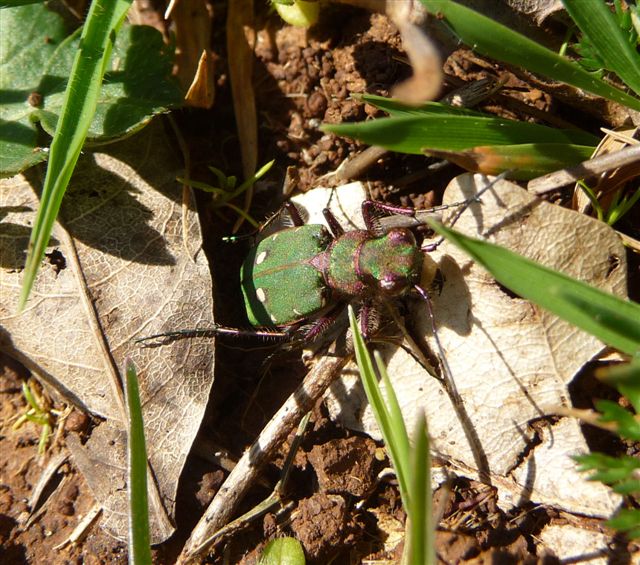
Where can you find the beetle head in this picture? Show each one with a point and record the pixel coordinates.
(391, 263)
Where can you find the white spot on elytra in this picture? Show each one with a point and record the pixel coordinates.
(296, 312)
(274, 319)
(262, 297)
(260, 258)
(274, 236)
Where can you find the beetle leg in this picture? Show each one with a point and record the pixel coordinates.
(322, 324)
(372, 209)
(368, 319)
(294, 214)
(168, 337)
(334, 226)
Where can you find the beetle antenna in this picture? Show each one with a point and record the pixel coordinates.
(464, 206)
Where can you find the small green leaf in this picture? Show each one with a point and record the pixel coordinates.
(610, 318)
(626, 520)
(628, 426)
(283, 551)
(608, 469)
(626, 378)
(300, 13)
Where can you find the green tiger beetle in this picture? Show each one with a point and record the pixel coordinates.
(298, 280)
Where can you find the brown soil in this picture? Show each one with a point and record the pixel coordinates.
(345, 510)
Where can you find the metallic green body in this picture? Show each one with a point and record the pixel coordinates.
(297, 272)
(279, 284)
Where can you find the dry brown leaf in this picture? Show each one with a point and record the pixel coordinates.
(193, 21)
(117, 269)
(511, 362)
(241, 39)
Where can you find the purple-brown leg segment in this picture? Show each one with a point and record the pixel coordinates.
(322, 324)
(367, 319)
(334, 226)
(294, 214)
(164, 338)
(371, 207)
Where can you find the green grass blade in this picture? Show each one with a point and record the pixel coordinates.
(598, 24)
(81, 97)
(454, 132)
(139, 540)
(499, 42)
(398, 109)
(397, 430)
(422, 529)
(525, 161)
(398, 450)
(611, 319)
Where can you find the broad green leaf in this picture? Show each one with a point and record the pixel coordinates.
(499, 42)
(607, 317)
(36, 57)
(283, 551)
(598, 23)
(454, 132)
(137, 84)
(139, 540)
(29, 36)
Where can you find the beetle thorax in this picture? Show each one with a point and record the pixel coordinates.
(360, 264)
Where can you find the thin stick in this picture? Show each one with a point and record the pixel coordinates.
(586, 169)
(246, 471)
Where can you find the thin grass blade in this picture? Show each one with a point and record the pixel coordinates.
(98, 35)
(453, 132)
(499, 42)
(597, 22)
(380, 411)
(139, 539)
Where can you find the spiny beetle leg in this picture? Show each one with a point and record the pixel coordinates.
(334, 226)
(371, 209)
(294, 214)
(168, 337)
(322, 324)
(367, 319)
